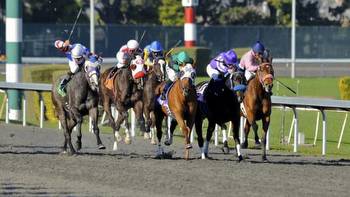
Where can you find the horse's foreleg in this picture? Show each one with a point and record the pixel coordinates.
(152, 126)
(138, 109)
(169, 140)
(79, 136)
(68, 133)
(63, 121)
(159, 116)
(210, 130)
(123, 116)
(93, 113)
(198, 125)
(246, 131)
(266, 123)
(235, 129)
(186, 132)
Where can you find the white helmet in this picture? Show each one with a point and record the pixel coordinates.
(78, 51)
(132, 44)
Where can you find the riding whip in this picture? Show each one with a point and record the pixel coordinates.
(143, 34)
(172, 48)
(286, 86)
(76, 20)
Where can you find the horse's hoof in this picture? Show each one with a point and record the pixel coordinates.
(240, 158)
(153, 141)
(64, 152)
(78, 145)
(167, 143)
(146, 136)
(203, 156)
(127, 140)
(188, 146)
(101, 146)
(264, 158)
(257, 145)
(244, 145)
(225, 148)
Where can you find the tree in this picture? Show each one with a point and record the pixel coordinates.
(171, 12)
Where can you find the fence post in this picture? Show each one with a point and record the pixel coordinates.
(295, 130)
(24, 109)
(41, 110)
(324, 132)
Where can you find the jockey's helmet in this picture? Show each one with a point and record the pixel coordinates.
(156, 46)
(132, 44)
(258, 48)
(147, 48)
(182, 57)
(230, 57)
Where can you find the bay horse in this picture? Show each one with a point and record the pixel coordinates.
(219, 102)
(154, 77)
(182, 106)
(124, 94)
(257, 103)
(81, 99)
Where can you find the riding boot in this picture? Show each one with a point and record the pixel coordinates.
(166, 87)
(62, 87)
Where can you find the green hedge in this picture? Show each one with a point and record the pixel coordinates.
(201, 56)
(41, 74)
(344, 88)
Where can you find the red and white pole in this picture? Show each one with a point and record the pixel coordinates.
(190, 30)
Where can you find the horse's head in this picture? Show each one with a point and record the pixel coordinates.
(236, 82)
(137, 67)
(187, 78)
(159, 69)
(92, 69)
(266, 74)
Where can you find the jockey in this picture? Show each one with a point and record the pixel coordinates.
(178, 61)
(76, 54)
(250, 60)
(155, 52)
(126, 53)
(225, 63)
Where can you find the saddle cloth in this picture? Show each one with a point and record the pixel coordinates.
(165, 103)
(109, 83)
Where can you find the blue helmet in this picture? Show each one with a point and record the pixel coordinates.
(230, 57)
(156, 46)
(258, 48)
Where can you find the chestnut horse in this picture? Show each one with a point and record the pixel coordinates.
(125, 94)
(182, 105)
(257, 103)
(218, 101)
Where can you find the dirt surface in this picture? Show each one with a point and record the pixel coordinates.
(30, 165)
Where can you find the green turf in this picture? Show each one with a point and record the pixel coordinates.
(326, 87)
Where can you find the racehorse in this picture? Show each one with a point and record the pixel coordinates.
(125, 94)
(257, 103)
(218, 101)
(81, 99)
(154, 77)
(182, 106)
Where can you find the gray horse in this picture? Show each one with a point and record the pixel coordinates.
(81, 99)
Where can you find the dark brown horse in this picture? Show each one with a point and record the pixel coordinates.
(218, 101)
(125, 94)
(182, 104)
(81, 99)
(154, 77)
(257, 103)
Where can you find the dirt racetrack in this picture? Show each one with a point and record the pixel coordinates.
(30, 165)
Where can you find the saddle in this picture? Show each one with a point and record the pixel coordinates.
(109, 83)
